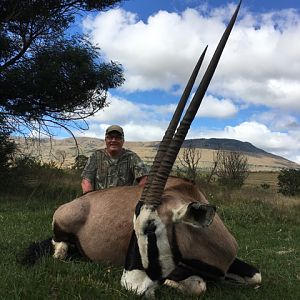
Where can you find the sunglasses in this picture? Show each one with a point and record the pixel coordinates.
(116, 137)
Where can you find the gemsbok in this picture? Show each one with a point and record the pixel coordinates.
(164, 233)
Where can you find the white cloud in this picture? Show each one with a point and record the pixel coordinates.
(278, 121)
(133, 115)
(140, 132)
(217, 108)
(259, 65)
(143, 122)
(285, 144)
(139, 121)
(117, 111)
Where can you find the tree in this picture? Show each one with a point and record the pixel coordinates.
(27, 24)
(190, 161)
(213, 169)
(289, 182)
(7, 148)
(48, 78)
(232, 169)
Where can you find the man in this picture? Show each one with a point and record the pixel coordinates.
(114, 165)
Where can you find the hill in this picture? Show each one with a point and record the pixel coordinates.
(64, 151)
(224, 144)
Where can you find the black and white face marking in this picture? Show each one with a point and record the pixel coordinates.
(133, 257)
(149, 258)
(134, 277)
(156, 254)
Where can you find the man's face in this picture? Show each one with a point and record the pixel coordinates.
(114, 143)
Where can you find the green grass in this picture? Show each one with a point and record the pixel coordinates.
(268, 233)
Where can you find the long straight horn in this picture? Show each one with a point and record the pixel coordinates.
(164, 145)
(158, 183)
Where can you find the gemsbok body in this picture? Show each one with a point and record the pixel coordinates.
(164, 233)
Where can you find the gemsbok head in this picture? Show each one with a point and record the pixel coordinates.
(175, 238)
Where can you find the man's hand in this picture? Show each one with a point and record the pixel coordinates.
(86, 186)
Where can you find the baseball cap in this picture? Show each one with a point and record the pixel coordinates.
(114, 128)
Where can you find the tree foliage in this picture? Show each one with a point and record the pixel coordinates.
(27, 24)
(48, 78)
(289, 182)
(7, 148)
(232, 168)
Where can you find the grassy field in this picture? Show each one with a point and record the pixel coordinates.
(255, 179)
(265, 224)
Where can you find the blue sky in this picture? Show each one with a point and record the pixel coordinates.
(254, 95)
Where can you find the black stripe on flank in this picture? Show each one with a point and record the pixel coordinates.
(240, 268)
(133, 257)
(154, 268)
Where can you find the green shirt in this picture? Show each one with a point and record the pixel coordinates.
(105, 172)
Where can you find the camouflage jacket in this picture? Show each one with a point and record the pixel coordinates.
(105, 172)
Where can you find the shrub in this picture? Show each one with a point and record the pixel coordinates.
(232, 169)
(80, 162)
(265, 186)
(7, 149)
(289, 182)
(28, 173)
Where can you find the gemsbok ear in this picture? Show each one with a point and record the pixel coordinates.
(195, 214)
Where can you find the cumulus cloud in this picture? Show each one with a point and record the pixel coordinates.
(258, 66)
(140, 121)
(286, 144)
(217, 108)
(143, 122)
(278, 121)
(128, 113)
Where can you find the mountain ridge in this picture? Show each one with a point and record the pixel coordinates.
(258, 159)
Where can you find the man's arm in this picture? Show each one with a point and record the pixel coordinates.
(88, 174)
(86, 186)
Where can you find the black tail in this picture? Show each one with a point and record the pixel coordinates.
(36, 251)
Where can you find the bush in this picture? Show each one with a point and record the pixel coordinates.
(7, 149)
(265, 186)
(232, 169)
(80, 162)
(289, 182)
(31, 177)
